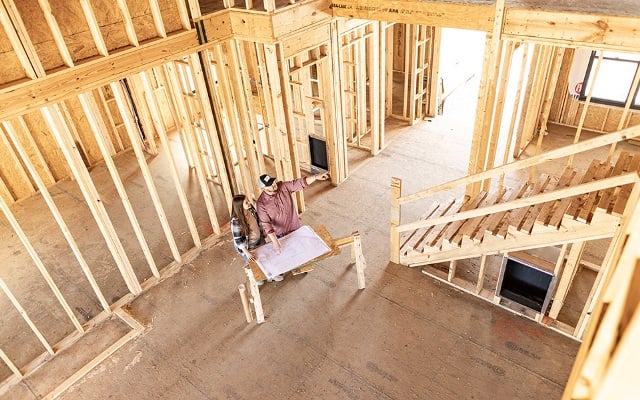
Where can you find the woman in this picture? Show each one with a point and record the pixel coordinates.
(245, 230)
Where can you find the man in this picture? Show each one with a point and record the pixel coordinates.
(276, 210)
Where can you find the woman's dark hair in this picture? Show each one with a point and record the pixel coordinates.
(237, 211)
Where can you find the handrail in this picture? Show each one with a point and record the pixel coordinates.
(585, 145)
(619, 180)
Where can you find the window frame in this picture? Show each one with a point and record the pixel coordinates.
(634, 96)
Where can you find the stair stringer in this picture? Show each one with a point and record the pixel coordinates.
(602, 226)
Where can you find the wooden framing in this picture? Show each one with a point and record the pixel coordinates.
(50, 85)
(254, 274)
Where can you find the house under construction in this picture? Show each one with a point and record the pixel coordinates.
(126, 128)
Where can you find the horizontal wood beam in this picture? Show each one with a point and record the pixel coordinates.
(573, 29)
(30, 96)
(553, 26)
(260, 26)
(434, 13)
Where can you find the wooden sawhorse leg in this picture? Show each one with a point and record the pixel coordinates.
(254, 296)
(357, 257)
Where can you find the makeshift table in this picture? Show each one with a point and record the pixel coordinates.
(250, 293)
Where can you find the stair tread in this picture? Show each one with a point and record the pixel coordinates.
(453, 227)
(436, 230)
(442, 209)
(589, 176)
(469, 226)
(562, 205)
(492, 223)
(535, 211)
(589, 203)
(607, 200)
(414, 237)
(625, 191)
(546, 211)
(516, 216)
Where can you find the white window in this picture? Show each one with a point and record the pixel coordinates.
(612, 84)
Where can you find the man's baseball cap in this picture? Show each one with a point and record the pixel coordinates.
(265, 181)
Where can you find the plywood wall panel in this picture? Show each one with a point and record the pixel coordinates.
(110, 20)
(634, 119)
(45, 141)
(12, 171)
(170, 15)
(11, 68)
(75, 29)
(85, 133)
(34, 21)
(30, 147)
(142, 20)
(595, 116)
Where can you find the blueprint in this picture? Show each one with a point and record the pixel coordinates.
(298, 247)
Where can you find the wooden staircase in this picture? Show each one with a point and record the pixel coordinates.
(533, 216)
(591, 214)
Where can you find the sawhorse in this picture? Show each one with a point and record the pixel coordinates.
(250, 293)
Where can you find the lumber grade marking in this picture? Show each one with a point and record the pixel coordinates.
(432, 13)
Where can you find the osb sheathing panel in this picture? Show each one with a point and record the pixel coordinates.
(75, 29)
(36, 25)
(82, 127)
(33, 152)
(170, 15)
(142, 20)
(110, 21)
(555, 113)
(45, 141)
(11, 69)
(635, 119)
(12, 171)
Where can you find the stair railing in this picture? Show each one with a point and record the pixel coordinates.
(397, 199)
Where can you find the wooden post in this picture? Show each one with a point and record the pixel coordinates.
(25, 316)
(570, 269)
(97, 124)
(333, 81)
(481, 272)
(254, 291)
(453, 264)
(159, 126)
(61, 132)
(585, 105)
(499, 107)
(245, 302)
(56, 214)
(373, 64)
(514, 111)
(396, 218)
(359, 259)
(136, 143)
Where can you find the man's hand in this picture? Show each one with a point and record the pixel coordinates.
(323, 176)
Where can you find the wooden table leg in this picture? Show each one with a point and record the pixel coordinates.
(361, 264)
(245, 302)
(255, 295)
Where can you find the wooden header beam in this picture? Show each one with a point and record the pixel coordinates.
(572, 29)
